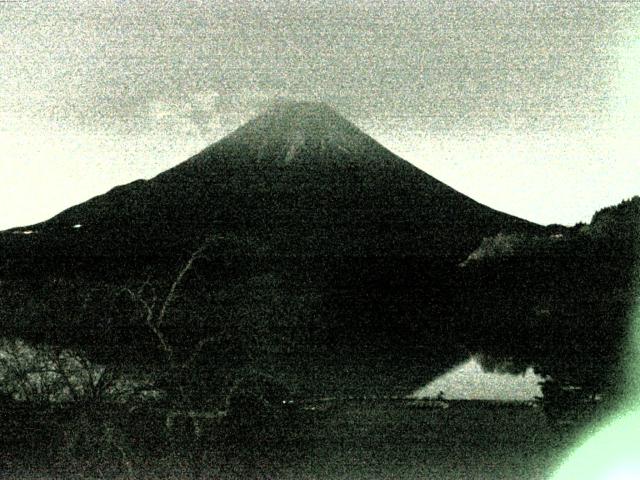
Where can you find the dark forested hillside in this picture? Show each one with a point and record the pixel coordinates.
(564, 301)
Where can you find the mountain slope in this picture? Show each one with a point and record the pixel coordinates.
(299, 179)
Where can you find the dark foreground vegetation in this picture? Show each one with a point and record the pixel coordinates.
(370, 439)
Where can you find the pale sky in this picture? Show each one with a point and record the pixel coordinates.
(532, 108)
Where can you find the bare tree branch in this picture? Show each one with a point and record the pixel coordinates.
(174, 286)
(149, 316)
(62, 373)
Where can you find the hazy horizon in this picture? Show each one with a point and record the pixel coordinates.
(530, 108)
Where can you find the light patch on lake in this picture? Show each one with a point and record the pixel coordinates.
(470, 382)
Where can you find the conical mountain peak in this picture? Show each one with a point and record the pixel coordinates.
(316, 234)
(311, 117)
(299, 168)
(295, 131)
(303, 109)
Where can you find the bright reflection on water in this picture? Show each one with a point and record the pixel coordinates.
(469, 382)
